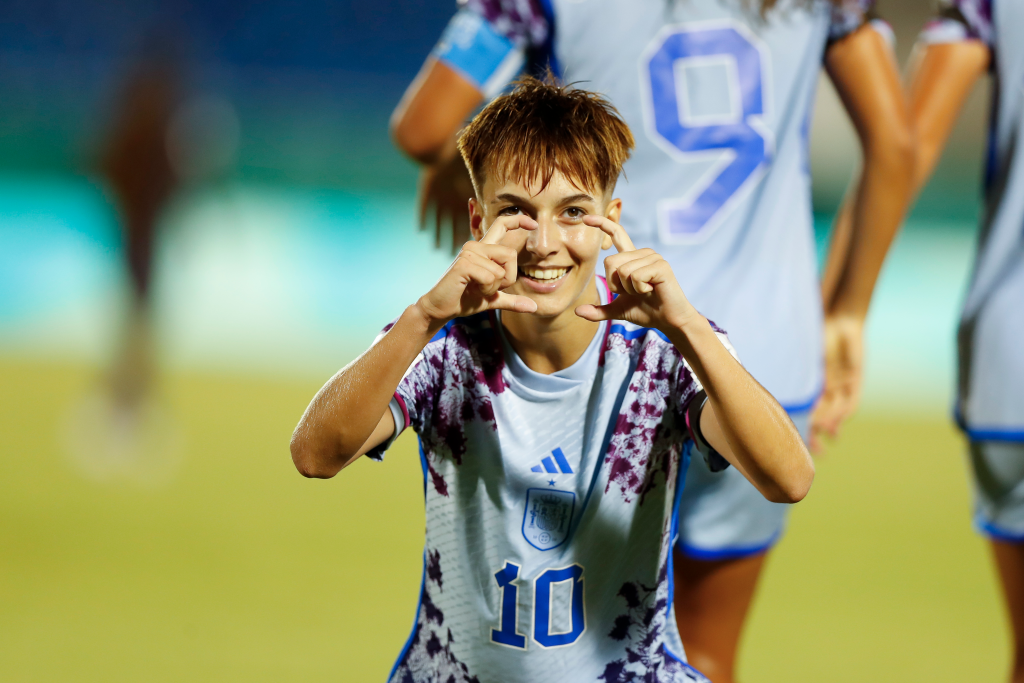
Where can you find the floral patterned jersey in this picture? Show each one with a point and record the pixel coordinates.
(549, 508)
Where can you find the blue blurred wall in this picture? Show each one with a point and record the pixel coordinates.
(313, 81)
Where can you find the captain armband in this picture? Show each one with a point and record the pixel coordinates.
(713, 459)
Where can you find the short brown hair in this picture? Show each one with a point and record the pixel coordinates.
(541, 127)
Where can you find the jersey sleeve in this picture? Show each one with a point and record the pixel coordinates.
(413, 399)
(960, 20)
(523, 21)
(847, 17)
(689, 399)
(487, 41)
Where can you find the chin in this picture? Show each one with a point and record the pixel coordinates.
(546, 307)
(549, 311)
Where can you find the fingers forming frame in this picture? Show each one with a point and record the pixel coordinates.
(644, 277)
(620, 267)
(500, 255)
(485, 273)
(478, 268)
(620, 238)
(503, 225)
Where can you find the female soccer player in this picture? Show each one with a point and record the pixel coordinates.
(552, 417)
(965, 41)
(720, 94)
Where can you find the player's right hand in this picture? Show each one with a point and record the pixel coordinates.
(474, 281)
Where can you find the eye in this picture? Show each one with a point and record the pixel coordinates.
(574, 213)
(509, 211)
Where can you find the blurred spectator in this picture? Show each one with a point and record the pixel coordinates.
(137, 164)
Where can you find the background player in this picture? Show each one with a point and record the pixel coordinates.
(958, 48)
(122, 428)
(720, 95)
(553, 439)
(143, 181)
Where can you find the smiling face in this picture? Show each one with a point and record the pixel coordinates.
(558, 259)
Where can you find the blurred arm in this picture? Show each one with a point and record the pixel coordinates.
(423, 126)
(865, 76)
(863, 70)
(432, 111)
(472, 62)
(941, 79)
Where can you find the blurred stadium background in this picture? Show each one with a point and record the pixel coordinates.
(196, 552)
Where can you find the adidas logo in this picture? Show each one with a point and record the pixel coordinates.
(557, 466)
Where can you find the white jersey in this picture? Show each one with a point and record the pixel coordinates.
(990, 404)
(718, 98)
(549, 504)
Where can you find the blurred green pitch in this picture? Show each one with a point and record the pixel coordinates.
(241, 570)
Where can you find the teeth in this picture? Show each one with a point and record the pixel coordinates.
(545, 273)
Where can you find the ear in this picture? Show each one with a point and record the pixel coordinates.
(612, 212)
(476, 219)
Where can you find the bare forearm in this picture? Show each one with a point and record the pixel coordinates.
(866, 78)
(759, 438)
(880, 202)
(345, 412)
(942, 78)
(434, 107)
(349, 415)
(838, 245)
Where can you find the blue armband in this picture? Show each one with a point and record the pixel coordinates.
(471, 46)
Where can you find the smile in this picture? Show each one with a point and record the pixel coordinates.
(544, 275)
(543, 280)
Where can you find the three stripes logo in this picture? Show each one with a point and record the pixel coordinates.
(553, 464)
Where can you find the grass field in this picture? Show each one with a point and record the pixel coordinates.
(237, 569)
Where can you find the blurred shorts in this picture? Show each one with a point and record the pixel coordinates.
(722, 516)
(998, 472)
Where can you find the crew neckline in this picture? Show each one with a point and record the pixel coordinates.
(584, 369)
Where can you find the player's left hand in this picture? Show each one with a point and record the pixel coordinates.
(648, 293)
(844, 374)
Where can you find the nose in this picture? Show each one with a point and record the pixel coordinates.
(546, 239)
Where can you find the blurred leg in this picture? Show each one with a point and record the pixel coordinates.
(998, 477)
(143, 181)
(132, 373)
(711, 603)
(1010, 561)
(139, 236)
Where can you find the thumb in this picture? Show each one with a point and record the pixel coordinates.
(512, 302)
(611, 311)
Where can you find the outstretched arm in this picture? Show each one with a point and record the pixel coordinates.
(863, 69)
(741, 420)
(349, 416)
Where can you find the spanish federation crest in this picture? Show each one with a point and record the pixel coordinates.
(547, 517)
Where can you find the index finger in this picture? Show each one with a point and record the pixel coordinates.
(618, 233)
(501, 226)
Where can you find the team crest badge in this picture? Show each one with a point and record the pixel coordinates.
(547, 517)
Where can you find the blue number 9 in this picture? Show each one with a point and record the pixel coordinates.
(690, 136)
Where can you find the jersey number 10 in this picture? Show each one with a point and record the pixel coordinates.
(705, 100)
(543, 629)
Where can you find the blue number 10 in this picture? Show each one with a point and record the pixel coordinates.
(507, 634)
(542, 627)
(672, 69)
